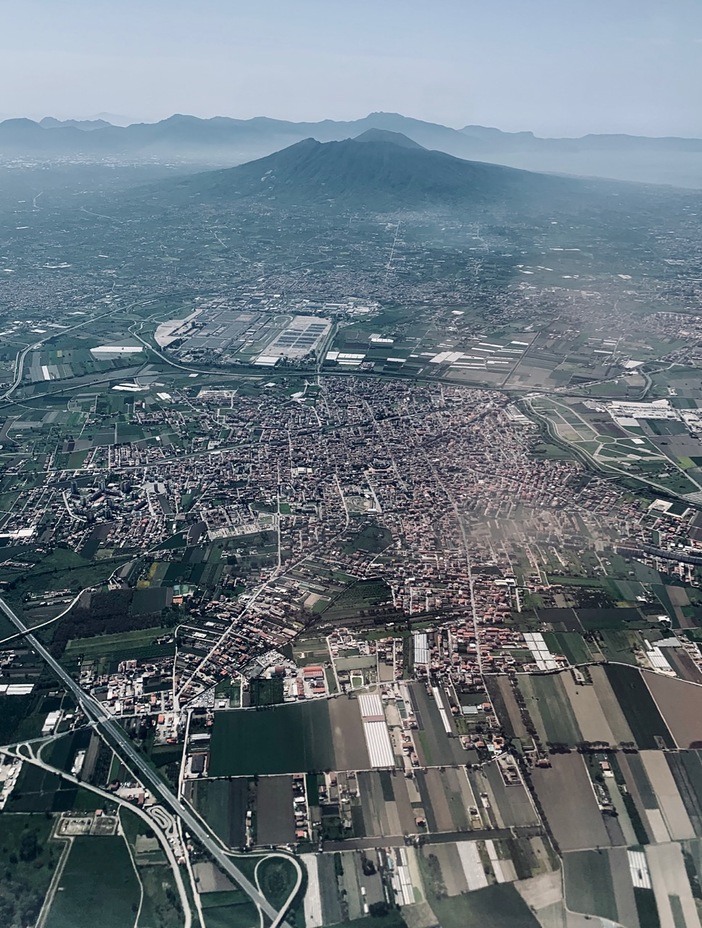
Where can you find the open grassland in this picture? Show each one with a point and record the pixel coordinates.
(276, 878)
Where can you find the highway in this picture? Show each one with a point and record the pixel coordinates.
(119, 740)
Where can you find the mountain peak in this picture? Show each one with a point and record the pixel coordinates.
(385, 135)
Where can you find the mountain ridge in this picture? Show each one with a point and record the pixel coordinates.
(224, 140)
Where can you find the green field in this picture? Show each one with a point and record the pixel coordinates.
(282, 739)
(371, 538)
(571, 645)
(88, 896)
(276, 877)
(108, 650)
(498, 906)
(546, 698)
(619, 645)
(220, 912)
(361, 595)
(63, 569)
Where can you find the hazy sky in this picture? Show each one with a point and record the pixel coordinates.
(554, 66)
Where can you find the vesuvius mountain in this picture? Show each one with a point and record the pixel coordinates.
(377, 171)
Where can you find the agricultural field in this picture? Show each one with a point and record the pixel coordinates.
(22, 717)
(442, 345)
(613, 704)
(39, 790)
(642, 715)
(671, 885)
(275, 820)
(498, 906)
(434, 747)
(550, 708)
(608, 699)
(574, 825)
(223, 804)
(673, 815)
(307, 650)
(435, 800)
(501, 805)
(293, 738)
(229, 909)
(358, 596)
(686, 767)
(572, 646)
(681, 707)
(598, 883)
(590, 717)
(60, 571)
(340, 883)
(505, 706)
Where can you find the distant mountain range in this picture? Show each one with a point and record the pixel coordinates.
(226, 141)
(378, 171)
(48, 122)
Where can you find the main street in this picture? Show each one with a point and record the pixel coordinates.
(118, 739)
